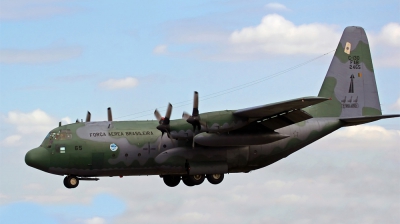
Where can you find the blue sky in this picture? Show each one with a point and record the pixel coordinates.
(59, 59)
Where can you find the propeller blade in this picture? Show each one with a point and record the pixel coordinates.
(158, 115)
(88, 116)
(185, 115)
(195, 104)
(159, 144)
(169, 111)
(203, 123)
(109, 114)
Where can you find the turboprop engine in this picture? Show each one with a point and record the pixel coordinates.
(242, 139)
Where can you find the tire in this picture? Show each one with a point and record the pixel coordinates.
(71, 181)
(187, 181)
(66, 182)
(197, 179)
(215, 178)
(172, 180)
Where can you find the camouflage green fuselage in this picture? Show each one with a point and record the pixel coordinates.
(88, 149)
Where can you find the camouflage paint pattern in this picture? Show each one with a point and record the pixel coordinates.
(119, 148)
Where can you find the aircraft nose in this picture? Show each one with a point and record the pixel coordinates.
(38, 158)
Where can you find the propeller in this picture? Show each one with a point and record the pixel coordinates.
(88, 116)
(164, 122)
(109, 114)
(194, 119)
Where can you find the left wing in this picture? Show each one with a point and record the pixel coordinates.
(280, 114)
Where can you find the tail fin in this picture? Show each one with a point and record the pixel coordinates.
(350, 80)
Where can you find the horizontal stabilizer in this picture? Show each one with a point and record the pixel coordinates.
(366, 119)
(278, 108)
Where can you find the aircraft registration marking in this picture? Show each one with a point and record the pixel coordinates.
(354, 62)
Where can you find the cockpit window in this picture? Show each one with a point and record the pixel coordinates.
(63, 135)
(59, 136)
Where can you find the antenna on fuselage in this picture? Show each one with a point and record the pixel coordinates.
(88, 116)
(109, 114)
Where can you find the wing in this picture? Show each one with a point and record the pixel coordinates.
(280, 114)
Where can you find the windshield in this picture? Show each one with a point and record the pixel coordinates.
(58, 136)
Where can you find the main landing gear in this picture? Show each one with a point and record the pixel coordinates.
(192, 180)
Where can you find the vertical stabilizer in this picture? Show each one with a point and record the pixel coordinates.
(350, 81)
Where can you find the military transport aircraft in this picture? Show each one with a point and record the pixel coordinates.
(209, 145)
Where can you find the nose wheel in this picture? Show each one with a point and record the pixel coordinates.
(71, 181)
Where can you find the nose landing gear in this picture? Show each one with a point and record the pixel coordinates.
(71, 181)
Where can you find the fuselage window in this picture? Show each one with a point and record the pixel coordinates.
(62, 149)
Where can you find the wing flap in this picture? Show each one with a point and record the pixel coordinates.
(285, 119)
(280, 107)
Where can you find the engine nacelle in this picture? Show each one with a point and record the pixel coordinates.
(225, 139)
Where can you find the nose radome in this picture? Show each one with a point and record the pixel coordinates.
(38, 158)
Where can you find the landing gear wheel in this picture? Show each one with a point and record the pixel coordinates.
(171, 180)
(192, 180)
(215, 178)
(71, 181)
(197, 179)
(65, 182)
(187, 181)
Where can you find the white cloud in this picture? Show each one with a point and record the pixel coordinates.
(33, 124)
(396, 105)
(31, 9)
(94, 220)
(276, 35)
(365, 137)
(35, 121)
(160, 49)
(46, 55)
(11, 140)
(276, 6)
(66, 120)
(290, 199)
(386, 46)
(124, 83)
(34, 187)
(193, 217)
(390, 34)
(2, 196)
